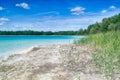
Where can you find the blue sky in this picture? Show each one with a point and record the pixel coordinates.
(54, 15)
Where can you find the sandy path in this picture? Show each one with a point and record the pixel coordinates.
(53, 62)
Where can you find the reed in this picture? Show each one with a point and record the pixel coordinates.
(107, 57)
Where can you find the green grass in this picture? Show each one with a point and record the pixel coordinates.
(107, 57)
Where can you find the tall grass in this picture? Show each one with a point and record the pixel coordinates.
(107, 58)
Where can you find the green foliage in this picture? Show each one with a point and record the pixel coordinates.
(29, 32)
(107, 57)
(107, 24)
(111, 27)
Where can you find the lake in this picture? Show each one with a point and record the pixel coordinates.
(9, 44)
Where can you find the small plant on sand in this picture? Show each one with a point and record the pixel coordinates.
(78, 78)
(70, 57)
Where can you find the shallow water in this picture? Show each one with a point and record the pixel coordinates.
(10, 44)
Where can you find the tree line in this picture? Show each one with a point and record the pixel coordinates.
(29, 32)
(107, 24)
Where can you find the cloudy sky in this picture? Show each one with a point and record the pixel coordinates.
(54, 15)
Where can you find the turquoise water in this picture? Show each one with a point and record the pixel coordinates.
(10, 44)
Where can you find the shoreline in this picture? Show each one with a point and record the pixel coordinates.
(27, 50)
(43, 35)
(10, 44)
(51, 62)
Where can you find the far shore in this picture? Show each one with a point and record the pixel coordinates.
(42, 35)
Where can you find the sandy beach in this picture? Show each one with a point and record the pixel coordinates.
(51, 62)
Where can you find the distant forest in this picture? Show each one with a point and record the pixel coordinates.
(29, 32)
(107, 24)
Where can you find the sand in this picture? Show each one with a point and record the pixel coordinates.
(51, 62)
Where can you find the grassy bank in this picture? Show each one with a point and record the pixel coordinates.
(107, 57)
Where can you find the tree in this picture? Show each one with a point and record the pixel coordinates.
(80, 32)
(111, 27)
(117, 26)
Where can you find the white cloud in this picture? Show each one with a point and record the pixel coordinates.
(112, 7)
(23, 5)
(55, 24)
(104, 11)
(1, 8)
(77, 10)
(3, 21)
